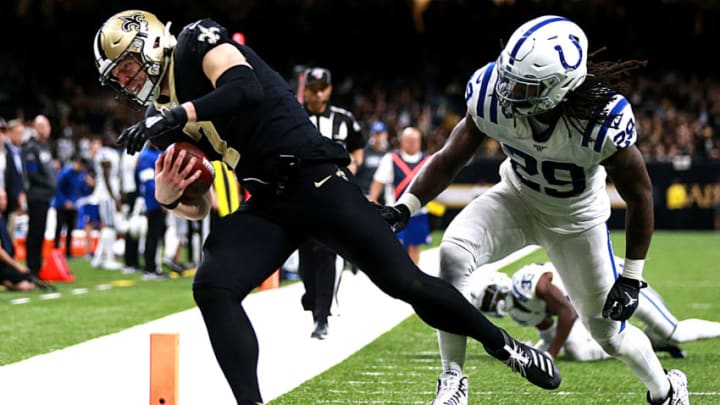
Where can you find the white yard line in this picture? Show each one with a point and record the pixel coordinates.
(114, 369)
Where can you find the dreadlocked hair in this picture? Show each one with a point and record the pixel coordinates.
(604, 80)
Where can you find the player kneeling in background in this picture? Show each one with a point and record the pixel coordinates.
(535, 296)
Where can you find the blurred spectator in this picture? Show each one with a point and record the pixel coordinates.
(156, 214)
(14, 177)
(13, 275)
(128, 198)
(176, 239)
(72, 183)
(377, 146)
(3, 157)
(395, 172)
(106, 195)
(40, 179)
(65, 146)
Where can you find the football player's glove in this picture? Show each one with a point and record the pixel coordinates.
(134, 137)
(397, 216)
(622, 300)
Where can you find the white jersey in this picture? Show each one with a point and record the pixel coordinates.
(528, 309)
(561, 179)
(128, 164)
(101, 191)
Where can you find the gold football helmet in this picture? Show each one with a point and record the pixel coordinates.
(143, 44)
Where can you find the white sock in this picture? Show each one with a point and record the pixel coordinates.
(108, 237)
(689, 330)
(452, 351)
(635, 350)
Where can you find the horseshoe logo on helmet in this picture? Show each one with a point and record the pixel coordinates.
(574, 40)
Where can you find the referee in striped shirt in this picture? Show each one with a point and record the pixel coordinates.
(317, 262)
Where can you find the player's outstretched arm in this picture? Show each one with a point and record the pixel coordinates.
(627, 169)
(445, 164)
(629, 174)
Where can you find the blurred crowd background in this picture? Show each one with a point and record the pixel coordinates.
(400, 61)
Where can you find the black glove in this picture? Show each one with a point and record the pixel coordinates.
(622, 300)
(397, 216)
(134, 137)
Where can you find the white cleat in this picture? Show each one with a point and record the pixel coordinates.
(452, 389)
(678, 389)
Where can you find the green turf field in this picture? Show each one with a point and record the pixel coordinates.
(400, 367)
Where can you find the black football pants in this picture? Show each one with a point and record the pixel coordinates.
(319, 202)
(317, 270)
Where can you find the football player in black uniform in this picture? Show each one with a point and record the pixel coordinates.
(226, 99)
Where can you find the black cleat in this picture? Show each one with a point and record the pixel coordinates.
(42, 285)
(536, 366)
(673, 350)
(321, 330)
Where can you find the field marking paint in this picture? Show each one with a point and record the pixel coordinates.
(92, 369)
(17, 301)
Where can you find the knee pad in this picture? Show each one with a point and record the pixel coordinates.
(607, 333)
(456, 264)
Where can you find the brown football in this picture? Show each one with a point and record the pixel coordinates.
(207, 172)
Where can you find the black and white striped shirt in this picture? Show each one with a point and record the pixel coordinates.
(341, 126)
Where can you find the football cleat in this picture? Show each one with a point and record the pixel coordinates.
(452, 389)
(661, 344)
(678, 389)
(675, 351)
(536, 366)
(321, 330)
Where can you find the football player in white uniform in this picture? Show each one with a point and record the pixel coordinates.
(536, 296)
(107, 196)
(564, 125)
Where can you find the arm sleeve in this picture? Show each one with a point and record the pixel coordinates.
(237, 88)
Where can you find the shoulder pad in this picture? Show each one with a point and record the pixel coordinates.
(618, 131)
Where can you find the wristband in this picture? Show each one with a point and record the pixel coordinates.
(170, 206)
(633, 268)
(411, 201)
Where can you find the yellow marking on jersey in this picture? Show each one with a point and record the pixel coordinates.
(227, 193)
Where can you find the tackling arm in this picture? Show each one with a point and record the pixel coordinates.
(627, 169)
(629, 174)
(445, 164)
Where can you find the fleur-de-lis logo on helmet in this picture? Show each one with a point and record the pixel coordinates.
(135, 22)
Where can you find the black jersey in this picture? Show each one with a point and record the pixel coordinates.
(253, 137)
